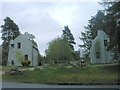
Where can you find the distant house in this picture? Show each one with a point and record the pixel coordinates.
(98, 51)
(23, 48)
(0, 54)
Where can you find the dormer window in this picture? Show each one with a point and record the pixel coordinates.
(18, 45)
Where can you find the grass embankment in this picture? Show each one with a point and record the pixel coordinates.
(93, 74)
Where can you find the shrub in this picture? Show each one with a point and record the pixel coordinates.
(26, 62)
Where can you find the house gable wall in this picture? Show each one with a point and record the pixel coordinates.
(105, 56)
(18, 54)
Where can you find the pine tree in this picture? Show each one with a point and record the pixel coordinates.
(105, 20)
(68, 36)
(9, 31)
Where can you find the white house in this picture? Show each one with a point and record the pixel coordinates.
(23, 48)
(98, 50)
(0, 54)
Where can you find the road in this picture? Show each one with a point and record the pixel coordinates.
(6, 84)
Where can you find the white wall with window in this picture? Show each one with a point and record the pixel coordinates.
(98, 51)
(21, 48)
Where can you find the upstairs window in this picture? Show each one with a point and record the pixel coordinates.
(12, 45)
(19, 45)
(105, 42)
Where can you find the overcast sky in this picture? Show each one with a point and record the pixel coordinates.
(46, 20)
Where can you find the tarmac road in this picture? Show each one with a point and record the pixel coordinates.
(6, 84)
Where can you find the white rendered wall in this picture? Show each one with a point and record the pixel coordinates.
(26, 49)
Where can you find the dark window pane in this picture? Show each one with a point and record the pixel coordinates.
(26, 57)
(12, 45)
(19, 45)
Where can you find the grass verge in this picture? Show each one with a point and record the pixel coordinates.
(94, 74)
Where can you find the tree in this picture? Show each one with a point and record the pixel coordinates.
(104, 20)
(59, 51)
(111, 27)
(41, 59)
(68, 36)
(86, 37)
(9, 31)
(95, 23)
(76, 55)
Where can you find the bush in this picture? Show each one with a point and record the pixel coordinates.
(26, 62)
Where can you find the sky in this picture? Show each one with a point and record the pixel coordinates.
(46, 20)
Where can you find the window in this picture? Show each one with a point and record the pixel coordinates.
(105, 42)
(26, 57)
(19, 45)
(12, 45)
(12, 62)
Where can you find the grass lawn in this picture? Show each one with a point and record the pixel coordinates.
(7, 68)
(93, 74)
